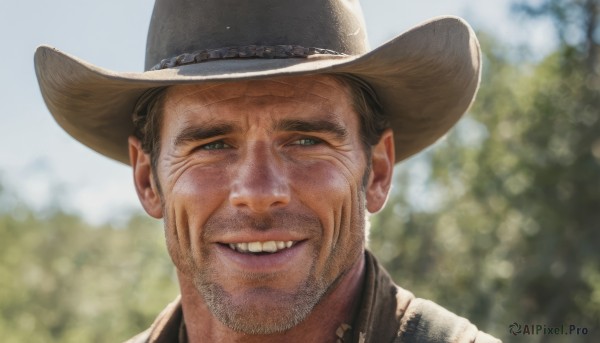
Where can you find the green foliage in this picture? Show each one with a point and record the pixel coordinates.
(517, 233)
(62, 280)
(499, 223)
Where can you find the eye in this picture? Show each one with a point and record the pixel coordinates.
(217, 145)
(306, 141)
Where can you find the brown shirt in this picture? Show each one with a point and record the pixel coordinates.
(387, 313)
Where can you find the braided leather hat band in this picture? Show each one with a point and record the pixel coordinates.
(248, 51)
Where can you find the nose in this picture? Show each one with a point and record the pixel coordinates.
(260, 183)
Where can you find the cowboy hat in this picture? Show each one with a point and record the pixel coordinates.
(425, 78)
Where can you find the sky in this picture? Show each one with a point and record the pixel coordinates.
(43, 166)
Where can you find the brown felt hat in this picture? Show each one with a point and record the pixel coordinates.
(425, 78)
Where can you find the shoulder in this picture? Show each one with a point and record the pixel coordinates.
(166, 327)
(142, 337)
(425, 321)
(390, 313)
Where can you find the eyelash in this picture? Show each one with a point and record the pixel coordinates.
(313, 141)
(218, 145)
(213, 145)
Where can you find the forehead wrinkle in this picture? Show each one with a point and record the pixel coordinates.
(202, 95)
(275, 106)
(327, 82)
(178, 93)
(328, 110)
(304, 91)
(309, 85)
(300, 85)
(206, 96)
(308, 92)
(296, 86)
(328, 85)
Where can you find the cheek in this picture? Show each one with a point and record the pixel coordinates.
(333, 192)
(192, 197)
(322, 186)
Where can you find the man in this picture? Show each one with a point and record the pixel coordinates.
(262, 133)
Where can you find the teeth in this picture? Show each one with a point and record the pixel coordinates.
(256, 247)
(269, 246)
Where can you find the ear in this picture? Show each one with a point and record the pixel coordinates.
(382, 169)
(143, 178)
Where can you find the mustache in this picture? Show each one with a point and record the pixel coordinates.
(280, 219)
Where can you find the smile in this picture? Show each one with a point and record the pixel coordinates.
(261, 247)
(262, 256)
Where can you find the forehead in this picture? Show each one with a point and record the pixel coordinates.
(324, 93)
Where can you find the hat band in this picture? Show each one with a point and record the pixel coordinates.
(247, 51)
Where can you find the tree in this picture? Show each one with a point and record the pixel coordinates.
(62, 280)
(516, 234)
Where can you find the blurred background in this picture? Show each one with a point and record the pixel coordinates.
(499, 221)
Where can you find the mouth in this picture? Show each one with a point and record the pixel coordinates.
(262, 256)
(269, 247)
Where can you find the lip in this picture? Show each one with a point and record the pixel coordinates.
(253, 236)
(260, 263)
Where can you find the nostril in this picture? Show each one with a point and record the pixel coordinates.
(260, 195)
(259, 201)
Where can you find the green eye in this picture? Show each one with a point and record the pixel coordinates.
(215, 146)
(307, 141)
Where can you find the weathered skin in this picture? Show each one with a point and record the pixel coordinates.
(266, 160)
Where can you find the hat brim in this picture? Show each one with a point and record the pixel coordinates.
(425, 79)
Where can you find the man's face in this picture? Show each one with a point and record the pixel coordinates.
(261, 189)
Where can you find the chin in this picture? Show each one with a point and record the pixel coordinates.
(262, 310)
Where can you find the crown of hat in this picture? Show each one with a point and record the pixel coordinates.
(185, 26)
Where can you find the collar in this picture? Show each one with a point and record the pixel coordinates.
(382, 305)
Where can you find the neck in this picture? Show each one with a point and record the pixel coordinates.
(338, 306)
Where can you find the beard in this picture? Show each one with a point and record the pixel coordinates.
(263, 310)
(282, 312)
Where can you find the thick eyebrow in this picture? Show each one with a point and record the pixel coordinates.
(324, 126)
(197, 133)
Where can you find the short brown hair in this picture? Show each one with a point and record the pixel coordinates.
(147, 115)
(147, 121)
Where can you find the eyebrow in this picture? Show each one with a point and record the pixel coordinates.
(324, 126)
(197, 133)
